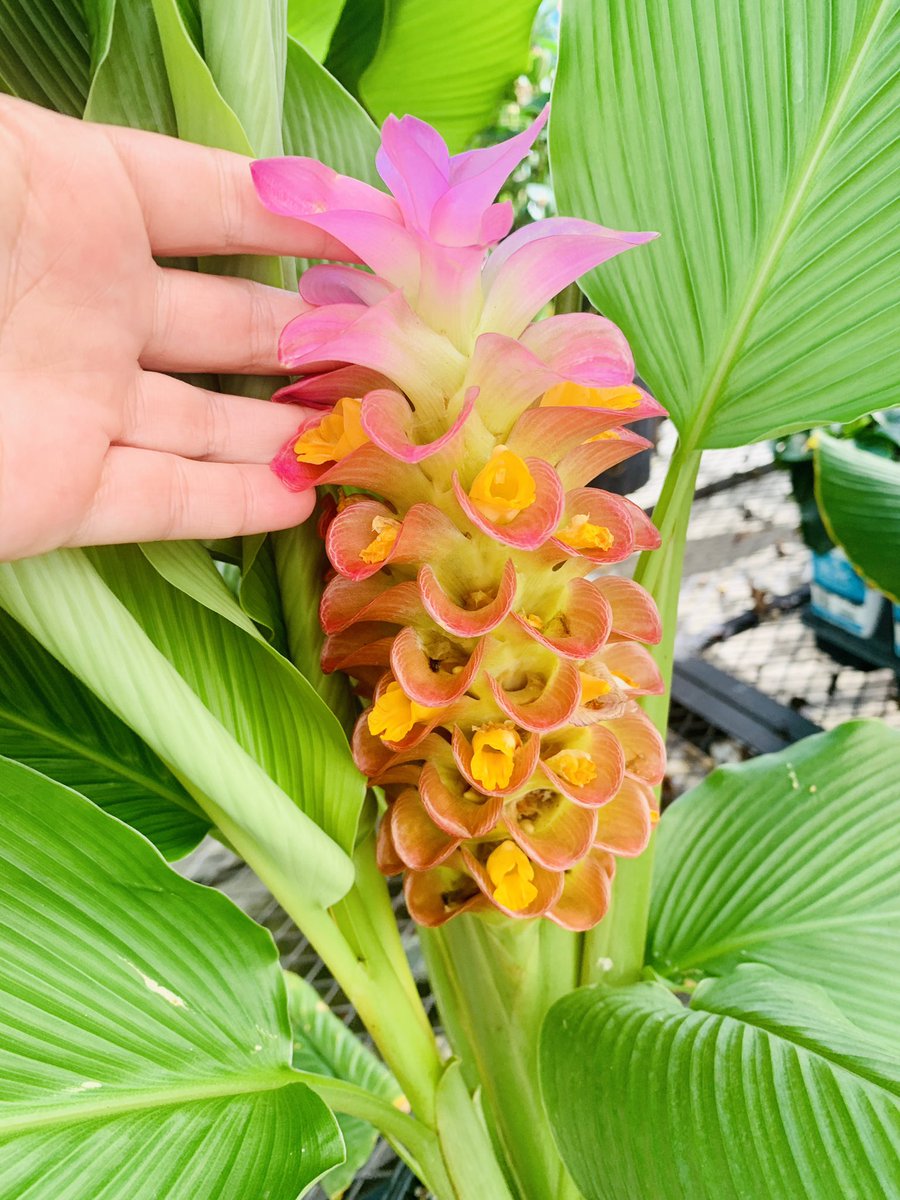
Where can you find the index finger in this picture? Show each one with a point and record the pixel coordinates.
(200, 200)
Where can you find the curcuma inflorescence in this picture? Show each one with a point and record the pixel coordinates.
(504, 727)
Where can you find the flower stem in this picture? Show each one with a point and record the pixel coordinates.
(614, 951)
(495, 981)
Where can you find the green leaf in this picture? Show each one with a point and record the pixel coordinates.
(63, 602)
(244, 49)
(858, 494)
(258, 593)
(790, 860)
(312, 22)
(757, 140)
(323, 1045)
(186, 609)
(45, 53)
(52, 723)
(761, 1089)
(354, 41)
(146, 1045)
(129, 85)
(322, 120)
(449, 64)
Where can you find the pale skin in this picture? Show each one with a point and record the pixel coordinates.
(98, 443)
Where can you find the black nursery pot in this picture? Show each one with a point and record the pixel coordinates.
(634, 472)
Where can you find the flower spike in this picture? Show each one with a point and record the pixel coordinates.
(457, 435)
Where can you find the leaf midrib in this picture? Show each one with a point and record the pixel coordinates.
(752, 937)
(81, 750)
(695, 434)
(121, 1103)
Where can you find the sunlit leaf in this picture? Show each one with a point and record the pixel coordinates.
(144, 1040)
(758, 140)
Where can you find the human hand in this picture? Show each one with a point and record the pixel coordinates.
(97, 445)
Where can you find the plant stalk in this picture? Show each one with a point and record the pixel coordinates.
(614, 952)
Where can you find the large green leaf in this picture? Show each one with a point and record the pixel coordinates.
(790, 860)
(312, 22)
(244, 46)
(53, 723)
(45, 53)
(354, 41)
(761, 1089)
(448, 63)
(129, 85)
(183, 605)
(757, 138)
(323, 1045)
(858, 494)
(144, 1040)
(62, 601)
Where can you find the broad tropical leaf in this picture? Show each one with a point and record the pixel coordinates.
(762, 1088)
(129, 85)
(858, 494)
(312, 22)
(758, 140)
(270, 708)
(45, 53)
(323, 1045)
(448, 63)
(144, 1039)
(53, 723)
(354, 41)
(63, 602)
(790, 860)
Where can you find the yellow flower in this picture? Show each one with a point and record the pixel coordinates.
(511, 874)
(495, 749)
(385, 530)
(593, 688)
(336, 436)
(393, 714)
(581, 534)
(503, 487)
(575, 766)
(571, 395)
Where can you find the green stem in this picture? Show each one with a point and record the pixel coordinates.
(614, 951)
(494, 983)
(415, 1143)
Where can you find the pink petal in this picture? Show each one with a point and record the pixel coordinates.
(646, 535)
(419, 843)
(535, 263)
(586, 893)
(548, 710)
(634, 613)
(390, 422)
(371, 470)
(437, 896)
(350, 533)
(524, 763)
(531, 527)
(562, 429)
(415, 164)
(412, 669)
(388, 338)
(606, 510)
(380, 242)
(466, 622)
(624, 824)
(346, 601)
(297, 476)
(560, 837)
(324, 390)
(588, 620)
(585, 462)
(645, 751)
(464, 215)
(583, 348)
(442, 793)
(634, 662)
(327, 283)
(609, 759)
(509, 378)
(386, 856)
(303, 187)
(367, 644)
